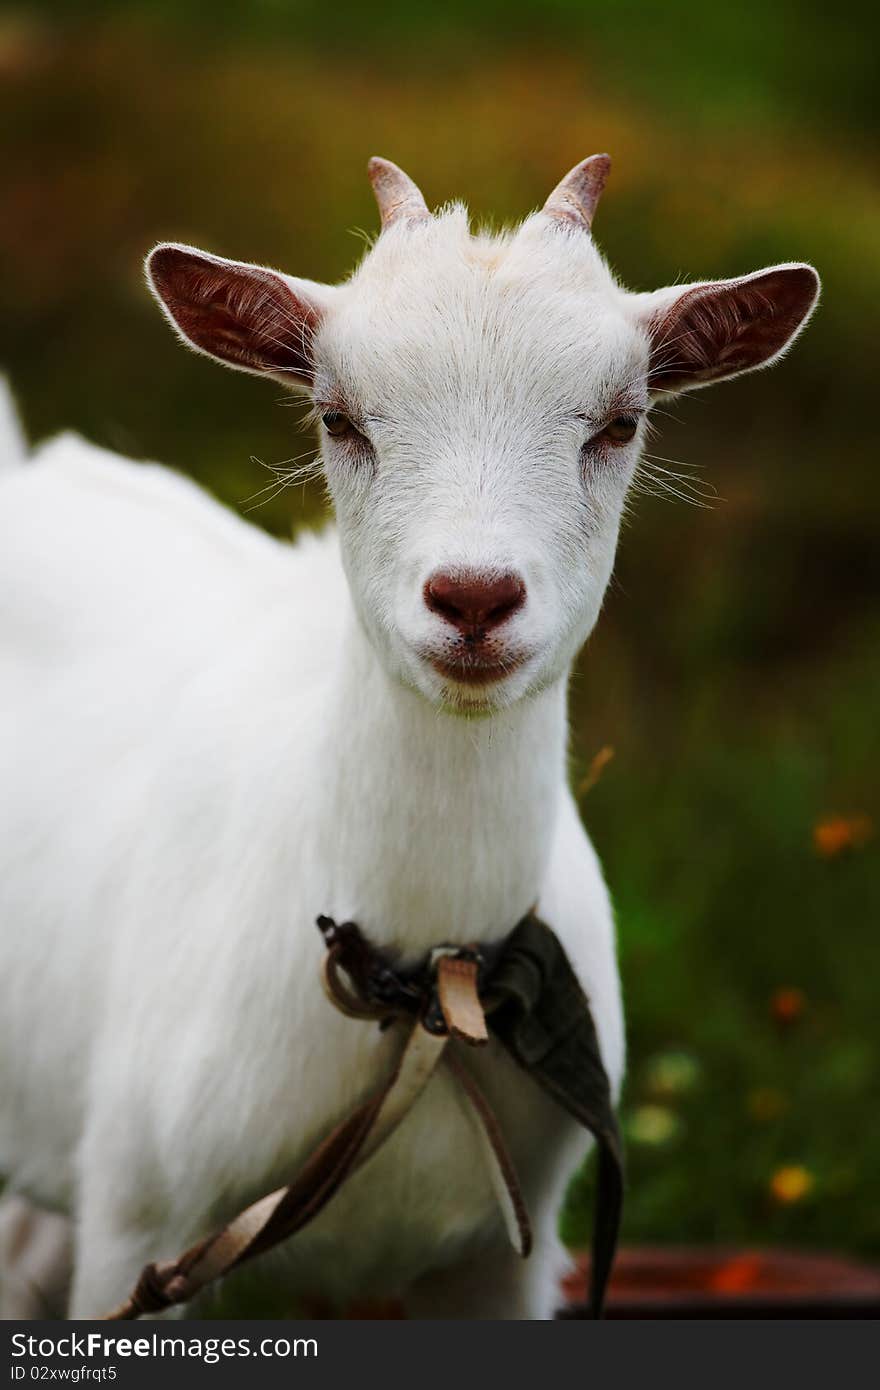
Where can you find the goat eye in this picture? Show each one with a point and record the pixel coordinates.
(620, 430)
(336, 423)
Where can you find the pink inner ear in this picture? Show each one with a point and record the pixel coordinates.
(246, 316)
(715, 331)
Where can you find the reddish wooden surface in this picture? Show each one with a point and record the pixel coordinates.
(696, 1282)
(659, 1282)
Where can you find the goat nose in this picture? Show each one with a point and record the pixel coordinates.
(473, 602)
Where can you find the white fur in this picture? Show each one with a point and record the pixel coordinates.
(209, 737)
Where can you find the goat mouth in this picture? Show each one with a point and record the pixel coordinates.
(472, 669)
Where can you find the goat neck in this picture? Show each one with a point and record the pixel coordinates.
(436, 827)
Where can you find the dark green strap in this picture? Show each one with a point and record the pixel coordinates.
(544, 1021)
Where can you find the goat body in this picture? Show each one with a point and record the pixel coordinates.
(209, 737)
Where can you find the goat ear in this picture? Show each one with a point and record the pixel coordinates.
(245, 316)
(704, 333)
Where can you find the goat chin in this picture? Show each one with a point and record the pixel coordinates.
(199, 753)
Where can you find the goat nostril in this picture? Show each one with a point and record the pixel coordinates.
(441, 604)
(500, 611)
(471, 601)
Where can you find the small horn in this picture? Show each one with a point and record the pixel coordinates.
(397, 195)
(574, 199)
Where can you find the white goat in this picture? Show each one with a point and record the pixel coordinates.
(209, 737)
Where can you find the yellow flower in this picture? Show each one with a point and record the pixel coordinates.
(671, 1073)
(652, 1124)
(791, 1184)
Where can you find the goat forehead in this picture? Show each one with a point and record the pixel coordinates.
(464, 321)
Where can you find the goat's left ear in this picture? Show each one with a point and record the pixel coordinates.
(704, 333)
(247, 317)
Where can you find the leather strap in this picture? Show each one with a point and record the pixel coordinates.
(539, 1014)
(280, 1214)
(505, 1182)
(459, 999)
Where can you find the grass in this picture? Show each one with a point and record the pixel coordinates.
(750, 962)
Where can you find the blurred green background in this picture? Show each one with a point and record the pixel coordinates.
(736, 669)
